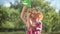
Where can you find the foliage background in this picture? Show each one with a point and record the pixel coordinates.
(10, 17)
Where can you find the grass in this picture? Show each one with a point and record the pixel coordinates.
(18, 32)
(22, 32)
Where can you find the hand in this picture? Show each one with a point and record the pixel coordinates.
(32, 26)
(24, 8)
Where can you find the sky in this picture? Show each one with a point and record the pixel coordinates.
(6, 2)
(54, 3)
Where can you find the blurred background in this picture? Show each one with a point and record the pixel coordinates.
(11, 23)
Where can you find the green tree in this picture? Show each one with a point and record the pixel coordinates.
(3, 15)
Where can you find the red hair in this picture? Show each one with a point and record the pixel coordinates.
(36, 14)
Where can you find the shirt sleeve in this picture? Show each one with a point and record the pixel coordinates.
(39, 26)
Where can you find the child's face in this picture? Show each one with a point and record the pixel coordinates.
(32, 14)
(35, 15)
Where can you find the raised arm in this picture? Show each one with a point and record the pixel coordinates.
(28, 19)
(23, 14)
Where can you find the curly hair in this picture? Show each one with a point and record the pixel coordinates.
(35, 14)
